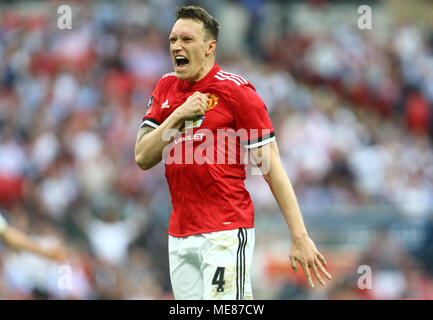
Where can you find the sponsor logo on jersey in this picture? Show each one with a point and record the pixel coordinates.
(190, 137)
(192, 124)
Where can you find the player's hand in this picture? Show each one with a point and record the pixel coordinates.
(56, 252)
(194, 107)
(306, 254)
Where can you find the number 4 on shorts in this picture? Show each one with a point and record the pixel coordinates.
(218, 279)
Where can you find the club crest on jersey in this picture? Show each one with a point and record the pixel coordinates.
(213, 101)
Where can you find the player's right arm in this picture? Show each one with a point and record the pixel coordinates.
(19, 240)
(152, 141)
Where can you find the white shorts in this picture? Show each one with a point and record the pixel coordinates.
(212, 266)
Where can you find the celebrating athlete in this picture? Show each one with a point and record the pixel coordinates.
(191, 115)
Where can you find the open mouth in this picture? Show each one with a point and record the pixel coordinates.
(181, 62)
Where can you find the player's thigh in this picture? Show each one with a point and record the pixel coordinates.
(227, 257)
(185, 274)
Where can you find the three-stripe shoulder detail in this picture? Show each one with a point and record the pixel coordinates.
(168, 74)
(221, 75)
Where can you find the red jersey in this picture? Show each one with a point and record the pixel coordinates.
(204, 164)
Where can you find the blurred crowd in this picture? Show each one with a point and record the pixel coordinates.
(352, 111)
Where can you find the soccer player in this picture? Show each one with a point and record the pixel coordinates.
(19, 240)
(211, 229)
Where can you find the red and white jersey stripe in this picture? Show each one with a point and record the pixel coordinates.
(168, 74)
(222, 75)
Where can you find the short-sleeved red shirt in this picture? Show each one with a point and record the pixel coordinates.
(204, 166)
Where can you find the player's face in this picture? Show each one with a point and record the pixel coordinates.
(190, 50)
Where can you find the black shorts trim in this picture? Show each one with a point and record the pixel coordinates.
(240, 264)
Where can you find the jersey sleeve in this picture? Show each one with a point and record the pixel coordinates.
(152, 117)
(3, 224)
(252, 122)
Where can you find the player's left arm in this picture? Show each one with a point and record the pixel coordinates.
(303, 249)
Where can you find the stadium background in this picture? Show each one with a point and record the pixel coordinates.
(353, 116)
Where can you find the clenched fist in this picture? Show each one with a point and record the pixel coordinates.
(195, 106)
